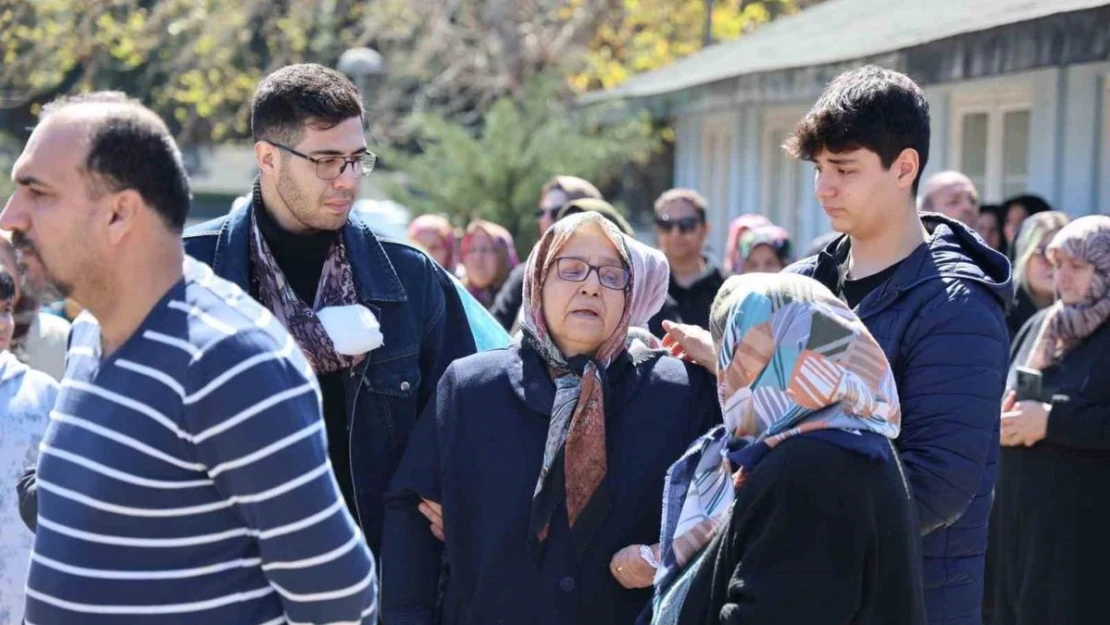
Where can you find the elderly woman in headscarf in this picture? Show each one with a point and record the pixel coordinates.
(765, 249)
(1032, 272)
(795, 510)
(734, 258)
(1053, 544)
(547, 457)
(434, 234)
(488, 255)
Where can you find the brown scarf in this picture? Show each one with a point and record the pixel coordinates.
(336, 288)
(1067, 325)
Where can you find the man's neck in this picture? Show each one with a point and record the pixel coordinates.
(122, 307)
(686, 271)
(874, 253)
(274, 206)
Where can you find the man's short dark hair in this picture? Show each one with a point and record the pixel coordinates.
(299, 95)
(7, 285)
(130, 147)
(689, 196)
(870, 108)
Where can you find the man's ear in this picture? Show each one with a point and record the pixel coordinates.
(122, 213)
(267, 156)
(906, 166)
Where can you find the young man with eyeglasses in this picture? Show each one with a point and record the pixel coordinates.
(681, 228)
(379, 320)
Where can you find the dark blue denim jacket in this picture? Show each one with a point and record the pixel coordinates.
(425, 328)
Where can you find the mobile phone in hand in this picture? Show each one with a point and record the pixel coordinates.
(1027, 384)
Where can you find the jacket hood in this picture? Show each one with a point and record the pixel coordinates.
(952, 250)
(958, 252)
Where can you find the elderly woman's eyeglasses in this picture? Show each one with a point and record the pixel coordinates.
(332, 167)
(613, 277)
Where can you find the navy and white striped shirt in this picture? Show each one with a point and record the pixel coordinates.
(185, 478)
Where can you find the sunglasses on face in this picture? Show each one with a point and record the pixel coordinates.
(686, 225)
(613, 277)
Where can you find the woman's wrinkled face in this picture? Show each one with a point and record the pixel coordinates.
(433, 245)
(481, 260)
(581, 314)
(762, 259)
(1073, 277)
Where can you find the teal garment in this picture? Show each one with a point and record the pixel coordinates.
(487, 332)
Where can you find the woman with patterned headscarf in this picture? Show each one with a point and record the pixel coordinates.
(765, 249)
(1032, 272)
(434, 234)
(488, 255)
(795, 510)
(537, 463)
(734, 259)
(1052, 514)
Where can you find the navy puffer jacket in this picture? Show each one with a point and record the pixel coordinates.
(940, 320)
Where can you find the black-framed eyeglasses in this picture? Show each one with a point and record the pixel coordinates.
(332, 167)
(613, 277)
(685, 225)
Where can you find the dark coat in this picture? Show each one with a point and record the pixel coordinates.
(478, 450)
(939, 319)
(1049, 540)
(695, 300)
(819, 535)
(424, 325)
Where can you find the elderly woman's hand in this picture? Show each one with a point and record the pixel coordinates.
(631, 567)
(434, 513)
(1025, 423)
(691, 343)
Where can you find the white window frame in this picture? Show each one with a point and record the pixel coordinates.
(1104, 194)
(996, 103)
(796, 216)
(715, 175)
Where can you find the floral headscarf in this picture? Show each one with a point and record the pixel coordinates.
(770, 235)
(576, 433)
(439, 226)
(1067, 325)
(506, 257)
(734, 261)
(792, 360)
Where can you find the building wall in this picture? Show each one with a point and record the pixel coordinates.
(1067, 160)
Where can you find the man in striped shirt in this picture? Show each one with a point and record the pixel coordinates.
(183, 477)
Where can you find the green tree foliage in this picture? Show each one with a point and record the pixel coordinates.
(642, 35)
(497, 173)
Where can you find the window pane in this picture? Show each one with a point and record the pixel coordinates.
(1015, 152)
(973, 148)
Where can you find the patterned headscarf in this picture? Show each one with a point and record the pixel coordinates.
(576, 433)
(1036, 231)
(506, 257)
(734, 261)
(439, 226)
(1066, 325)
(653, 276)
(792, 360)
(770, 235)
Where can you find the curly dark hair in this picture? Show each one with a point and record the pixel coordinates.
(872, 108)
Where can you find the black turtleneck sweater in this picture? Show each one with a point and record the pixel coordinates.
(301, 259)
